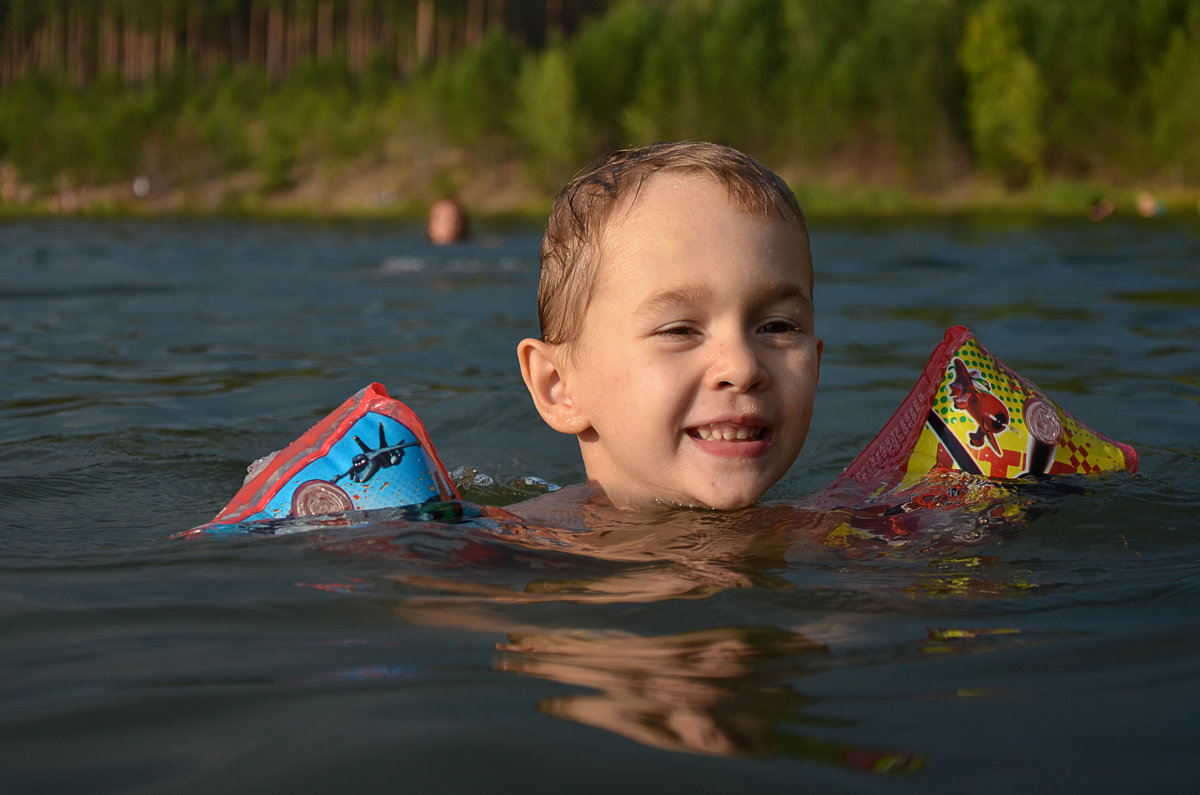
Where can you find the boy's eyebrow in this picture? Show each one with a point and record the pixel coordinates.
(786, 291)
(669, 299)
(692, 294)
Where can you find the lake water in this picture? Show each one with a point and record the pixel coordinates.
(145, 364)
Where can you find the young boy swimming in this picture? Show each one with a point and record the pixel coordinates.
(678, 347)
(678, 342)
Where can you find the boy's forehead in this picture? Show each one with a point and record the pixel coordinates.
(661, 193)
(659, 189)
(656, 215)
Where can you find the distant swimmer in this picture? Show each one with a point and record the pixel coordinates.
(1101, 208)
(447, 222)
(1148, 205)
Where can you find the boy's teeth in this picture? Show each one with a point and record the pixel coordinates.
(718, 433)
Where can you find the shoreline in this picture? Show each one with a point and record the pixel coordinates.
(505, 194)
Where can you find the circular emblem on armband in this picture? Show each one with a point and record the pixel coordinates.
(1043, 421)
(316, 497)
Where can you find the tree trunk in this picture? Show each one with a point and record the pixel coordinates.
(275, 52)
(194, 38)
(77, 46)
(110, 48)
(256, 35)
(166, 40)
(426, 21)
(495, 14)
(324, 29)
(474, 28)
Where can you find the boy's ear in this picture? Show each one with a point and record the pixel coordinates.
(546, 380)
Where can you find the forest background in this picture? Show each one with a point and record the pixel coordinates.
(365, 107)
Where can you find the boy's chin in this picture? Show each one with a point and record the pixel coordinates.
(732, 495)
(729, 500)
(730, 503)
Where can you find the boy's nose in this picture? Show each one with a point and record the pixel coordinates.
(736, 366)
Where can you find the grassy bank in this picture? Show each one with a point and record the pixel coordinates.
(376, 187)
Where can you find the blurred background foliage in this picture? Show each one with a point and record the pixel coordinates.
(915, 96)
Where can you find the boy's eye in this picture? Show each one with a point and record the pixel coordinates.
(780, 327)
(676, 331)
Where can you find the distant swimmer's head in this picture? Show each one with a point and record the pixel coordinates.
(447, 222)
(679, 344)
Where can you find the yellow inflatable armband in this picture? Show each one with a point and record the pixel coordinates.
(969, 425)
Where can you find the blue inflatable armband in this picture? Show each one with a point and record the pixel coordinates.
(372, 452)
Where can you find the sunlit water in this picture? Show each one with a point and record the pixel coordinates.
(144, 364)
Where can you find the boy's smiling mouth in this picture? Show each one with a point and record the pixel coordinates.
(727, 432)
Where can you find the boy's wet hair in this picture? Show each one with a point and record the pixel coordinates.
(570, 253)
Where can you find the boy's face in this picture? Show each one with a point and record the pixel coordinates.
(694, 374)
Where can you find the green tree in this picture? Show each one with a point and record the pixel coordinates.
(1087, 54)
(472, 95)
(1172, 94)
(666, 103)
(608, 55)
(739, 61)
(823, 88)
(546, 115)
(1006, 96)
